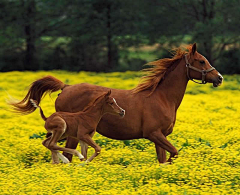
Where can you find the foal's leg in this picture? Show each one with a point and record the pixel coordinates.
(59, 129)
(55, 159)
(57, 133)
(160, 140)
(87, 138)
(71, 143)
(54, 153)
(84, 146)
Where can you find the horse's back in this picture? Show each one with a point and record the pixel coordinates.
(75, 97)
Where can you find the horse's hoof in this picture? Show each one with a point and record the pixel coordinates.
(81, 164)
(66, 161)
(165, 164)
(81, 158)
(55, 163)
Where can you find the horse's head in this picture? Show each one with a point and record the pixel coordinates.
(111, 107)
(199, 68)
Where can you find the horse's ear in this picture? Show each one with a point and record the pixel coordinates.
(108, 93)
(194, 48)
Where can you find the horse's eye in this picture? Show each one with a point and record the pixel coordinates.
(202, 62)
(111, 103)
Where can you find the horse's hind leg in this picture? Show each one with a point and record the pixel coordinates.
(55, 159)
(57, 134)
(54, 153)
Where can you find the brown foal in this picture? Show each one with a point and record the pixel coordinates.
(80, 125)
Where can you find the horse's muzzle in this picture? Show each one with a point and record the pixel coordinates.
(122, 113)
(218, 81)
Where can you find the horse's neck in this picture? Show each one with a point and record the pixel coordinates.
(174, 85)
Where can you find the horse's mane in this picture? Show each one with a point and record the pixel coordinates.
(159, 69)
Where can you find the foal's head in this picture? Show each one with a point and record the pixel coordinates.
(109, 104)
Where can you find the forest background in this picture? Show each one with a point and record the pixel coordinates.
(115, 35)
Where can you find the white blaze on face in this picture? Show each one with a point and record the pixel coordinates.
(115, 103)
(220, 75)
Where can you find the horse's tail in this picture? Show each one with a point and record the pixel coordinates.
(37, 90)
(35, 104)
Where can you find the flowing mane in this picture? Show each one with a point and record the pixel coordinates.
(160, 68)
(92, 103)
(95, 101)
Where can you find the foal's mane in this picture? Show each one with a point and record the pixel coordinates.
(159, 69)
(93, 102)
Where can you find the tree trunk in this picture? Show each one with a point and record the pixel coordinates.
(30, 55)
(109, 38)
(208, 49)
(208, 15)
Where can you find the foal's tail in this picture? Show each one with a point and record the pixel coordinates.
(37, 90)
(35, 104)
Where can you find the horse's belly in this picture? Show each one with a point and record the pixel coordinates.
(118, 128)
(118, 132)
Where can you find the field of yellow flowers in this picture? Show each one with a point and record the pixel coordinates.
(206, 131)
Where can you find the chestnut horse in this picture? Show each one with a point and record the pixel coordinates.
(79, 125)
(150, 107)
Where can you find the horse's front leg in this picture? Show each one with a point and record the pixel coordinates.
(161, 141)
(161, 154)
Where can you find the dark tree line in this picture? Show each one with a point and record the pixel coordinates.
(95, 35)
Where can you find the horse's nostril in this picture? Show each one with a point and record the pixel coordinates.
(220, 78)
